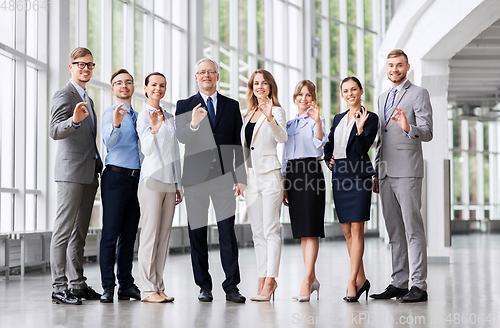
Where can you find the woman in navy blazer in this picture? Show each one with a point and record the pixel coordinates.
(346, 152)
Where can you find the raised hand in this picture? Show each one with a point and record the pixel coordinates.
(313, 112)
(198, 115)
(80, 112)
(267, 108)
(156, 118)
(400, 118)
(118, 115)
(360, 119)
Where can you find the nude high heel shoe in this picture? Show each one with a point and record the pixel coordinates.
(261, 298)
(314, 287)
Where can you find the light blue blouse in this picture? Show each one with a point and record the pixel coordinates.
(302, 143)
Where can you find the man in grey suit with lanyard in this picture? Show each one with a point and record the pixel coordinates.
(405, 114)
(73, 124)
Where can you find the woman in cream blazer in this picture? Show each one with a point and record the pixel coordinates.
(263, 128)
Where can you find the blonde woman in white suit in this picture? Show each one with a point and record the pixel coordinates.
(263, 128)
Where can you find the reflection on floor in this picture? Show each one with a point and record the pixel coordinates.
(463, 293)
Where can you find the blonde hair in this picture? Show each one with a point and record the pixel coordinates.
(397, 53)
(252, 100)
(310, 86)
(79, 53)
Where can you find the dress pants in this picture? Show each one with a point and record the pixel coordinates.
(264, 196)
(401, 202)
(74, 209)
(198, 198)
(120, 220)
(157, 201)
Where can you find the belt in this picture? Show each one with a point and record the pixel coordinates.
(130, 172)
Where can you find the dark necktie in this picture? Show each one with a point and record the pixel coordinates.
(211, 111)
(389, 104)
(133, 114)
(89, 108)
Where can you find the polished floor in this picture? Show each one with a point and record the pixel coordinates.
(464, 293)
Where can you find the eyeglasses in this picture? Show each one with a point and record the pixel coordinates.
(120, 83)
(206, 72)
(81, 65)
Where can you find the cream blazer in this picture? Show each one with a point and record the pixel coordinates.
(265, 138)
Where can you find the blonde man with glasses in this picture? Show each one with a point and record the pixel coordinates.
(73, 124)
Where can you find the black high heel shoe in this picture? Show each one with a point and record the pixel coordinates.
(366, 287)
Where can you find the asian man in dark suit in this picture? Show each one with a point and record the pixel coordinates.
(405, 114)
(209, 124)
(73, 124)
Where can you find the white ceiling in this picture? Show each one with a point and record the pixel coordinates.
(475, 71)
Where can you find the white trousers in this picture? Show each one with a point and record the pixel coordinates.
(157, 201)
(264, 195)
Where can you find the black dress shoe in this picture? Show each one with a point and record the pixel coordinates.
(65, 297)
(107, 296)
(233, 295)
(86, 293)
(415, 295)
(205, 295)
(390, 292)
(364, 288)
(131, 292)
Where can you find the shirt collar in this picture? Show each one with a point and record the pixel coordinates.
(151, 108)
(205, 97)
(303, 116)
(78, 88)
(400, 86)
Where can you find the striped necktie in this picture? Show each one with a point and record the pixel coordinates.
(389, 104)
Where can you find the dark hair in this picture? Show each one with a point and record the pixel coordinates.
(349, 78)
(397, 53)
(118, 72)
(79, 53)
(146, 80)
(273, 92)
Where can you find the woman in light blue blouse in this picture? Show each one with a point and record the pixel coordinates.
(304, 181)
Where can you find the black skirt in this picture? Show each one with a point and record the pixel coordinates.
(305, 185)
(352, 198)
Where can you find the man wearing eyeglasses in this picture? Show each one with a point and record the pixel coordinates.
(119, 183)
(209, 124)
(78, 163)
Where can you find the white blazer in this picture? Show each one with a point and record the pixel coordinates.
(265, 138)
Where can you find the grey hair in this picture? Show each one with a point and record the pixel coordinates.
(206, 60)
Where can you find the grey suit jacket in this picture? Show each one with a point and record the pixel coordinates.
(76, 152)
(397, 155)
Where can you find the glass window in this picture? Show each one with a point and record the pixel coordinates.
(295, 37)
(177, 69)
(206, 22)
(472, 135)
(7, 212)
(334, 99)
(457, 141)
(334, 8)
(159, 47)
(486, 136)
(260, 28)
(279, 45)
(94, 21)
(319, 45)
(351, 51)
(486, 174)
(160, 8)
(30, 212)
(31, 33)
(457, 178)
(367, 9)
(319, 93)
(8, 27)
(369, 58)
(225, 71)
(351, 12)
(177, 15)
(7, 123)
(139, 45)
(31, 126)
(118, 60)
(318, 6)
(244, 75)
(243, 24)
(334, 50)
(473, 179)
(224, 21)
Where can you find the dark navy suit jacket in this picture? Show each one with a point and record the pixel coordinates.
(357, 164)
(221, 139)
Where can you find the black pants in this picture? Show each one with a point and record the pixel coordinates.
(121, 215)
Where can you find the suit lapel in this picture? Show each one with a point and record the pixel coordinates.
(257, 127)
(221, 102)
(401, 94)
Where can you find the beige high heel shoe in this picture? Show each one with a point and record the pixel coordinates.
(262, 298)
(314, 287)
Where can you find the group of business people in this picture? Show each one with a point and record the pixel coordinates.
(227, 155)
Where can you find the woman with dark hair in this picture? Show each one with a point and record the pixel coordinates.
(159, 188)
(263, 128)
(351, 136)
(304, 181)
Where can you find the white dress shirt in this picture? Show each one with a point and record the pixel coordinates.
(341, 137)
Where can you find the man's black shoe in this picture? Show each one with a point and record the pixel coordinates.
(233, 295)
(86, 293)
(390, 292)
(131, 292)
(415, 295)
(205, 295)
(65, 297)
(107, 296)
